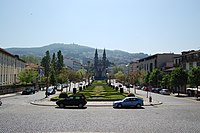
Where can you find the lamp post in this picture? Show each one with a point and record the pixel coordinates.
(127, 66)
(88, 72)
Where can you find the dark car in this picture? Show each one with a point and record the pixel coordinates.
(73, 100)
(51, 90)
(28, 91)
(156, 90)
(0, 102)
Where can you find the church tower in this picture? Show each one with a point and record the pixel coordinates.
(104, 58)
(100, 66)
(96, 59)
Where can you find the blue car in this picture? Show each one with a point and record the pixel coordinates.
(129, 102)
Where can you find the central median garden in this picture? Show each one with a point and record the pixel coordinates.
(99, 91)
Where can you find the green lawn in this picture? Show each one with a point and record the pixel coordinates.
(103, 92)
(99, 91)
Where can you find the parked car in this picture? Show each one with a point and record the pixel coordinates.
(165, 92)
(129, 102)
(73, 100)
(146, 89)
(59, 87)
(156, 90)
(0, 102)
(50, 91)
(28, 91)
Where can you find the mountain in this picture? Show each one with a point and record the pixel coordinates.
(78, 52)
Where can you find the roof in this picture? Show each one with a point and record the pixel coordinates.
(154, 56)
(9, 54)
(5, 52)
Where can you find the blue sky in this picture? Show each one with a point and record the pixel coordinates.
(149, 26)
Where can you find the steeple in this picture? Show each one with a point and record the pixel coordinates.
(96, 59)
(104, 58)
(104, 54)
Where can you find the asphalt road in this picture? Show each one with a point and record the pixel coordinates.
(174, 115)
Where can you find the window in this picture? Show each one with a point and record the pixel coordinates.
(77, 97)
(71, 98)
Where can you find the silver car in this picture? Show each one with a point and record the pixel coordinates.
(165, 92)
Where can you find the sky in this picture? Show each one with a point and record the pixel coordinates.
(148, 26)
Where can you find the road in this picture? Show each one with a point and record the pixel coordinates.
(174, 115)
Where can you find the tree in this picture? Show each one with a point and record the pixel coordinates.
(146, 78)
(30, 59)
(135, 77)
(53, 79)
(72, 76)
(179, 78)
(60, 61)
(116, 69)
(120, 76)
(155, 78)
(46, 63)
(63, 76)
(166, 80)
(28, 76)
(194, 77)
(81, 73)
(54, 62)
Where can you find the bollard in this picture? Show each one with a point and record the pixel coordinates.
(150, 99)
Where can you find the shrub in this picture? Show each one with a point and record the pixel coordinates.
(56, 98)
(131, 95)
(63, 95)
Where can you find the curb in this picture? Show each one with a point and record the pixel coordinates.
(102, 105)
(10, 95)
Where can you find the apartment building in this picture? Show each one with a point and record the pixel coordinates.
(10, 67)
(190, 59)
(160, 61)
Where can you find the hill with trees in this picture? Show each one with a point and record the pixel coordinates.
(78, 52)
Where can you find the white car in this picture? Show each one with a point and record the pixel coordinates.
(59, 87)
(165, 92)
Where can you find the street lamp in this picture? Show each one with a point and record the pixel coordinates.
(127, 66)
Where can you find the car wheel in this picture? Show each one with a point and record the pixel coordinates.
(61, 105)
(138, 105)
(119, 105)
(80, 105)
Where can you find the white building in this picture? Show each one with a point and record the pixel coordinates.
(74, 65)
(10, 67)
(160, 61)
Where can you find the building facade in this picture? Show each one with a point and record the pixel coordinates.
(72, 64)
(10, 67)
(190, 59)
(100, 66)
(160, 61)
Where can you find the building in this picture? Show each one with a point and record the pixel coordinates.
(190, 59)
(161, 61)
(10, 67)
(133, 66)
(100, 66)
(72, 64)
